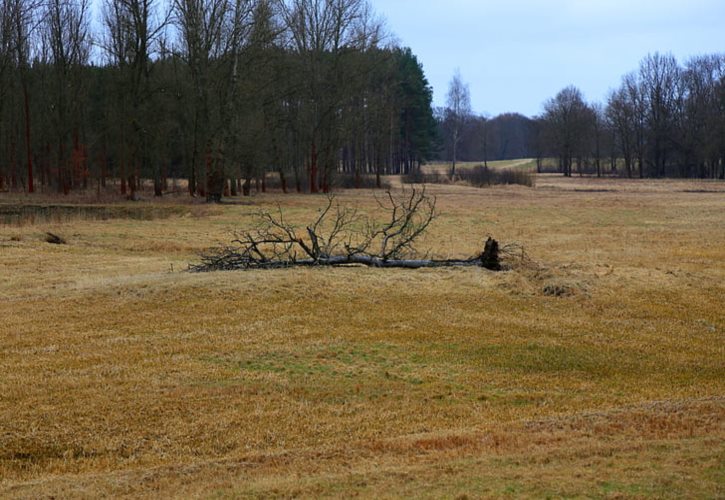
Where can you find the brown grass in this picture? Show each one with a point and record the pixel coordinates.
(120, 375)
(443, 168)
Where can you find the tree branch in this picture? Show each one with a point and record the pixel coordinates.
(332, 240)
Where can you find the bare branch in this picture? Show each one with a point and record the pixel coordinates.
(334, 239)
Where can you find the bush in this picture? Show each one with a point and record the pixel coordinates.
(350, 181)
(483, 176)
(479, 176)
(418, 177)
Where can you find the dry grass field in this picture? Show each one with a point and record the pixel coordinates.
(443, 168)
(596, 369)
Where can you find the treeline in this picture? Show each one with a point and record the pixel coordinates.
(505, 137)
(220, 92)
(665, 120)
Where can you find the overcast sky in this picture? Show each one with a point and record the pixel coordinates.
(515, 54)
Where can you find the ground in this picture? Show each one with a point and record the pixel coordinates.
(596, 367)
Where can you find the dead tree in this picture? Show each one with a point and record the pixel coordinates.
(341, 236)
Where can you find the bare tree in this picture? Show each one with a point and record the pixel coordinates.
(659, 80)
(341, 236)
(201, 29)
(134, 29)
(67, 35)
(485, 136)
(23, 20)
(621, 115)
(6, 58)
(568, 118)
(635, 97)
(598, 122)
(320, 33)
(700, 119)
(211, 35)
(458, 111)
(6, 19)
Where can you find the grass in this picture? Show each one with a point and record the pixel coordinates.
(120, 375)
(443, 168)
(521, 172)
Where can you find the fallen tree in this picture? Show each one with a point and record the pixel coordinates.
(340, 236)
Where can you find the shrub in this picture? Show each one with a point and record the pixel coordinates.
(350, 181)
(483, 176)
(418, 177)
(479, 176)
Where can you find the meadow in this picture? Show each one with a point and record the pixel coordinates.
(595, 367)
(443, 168)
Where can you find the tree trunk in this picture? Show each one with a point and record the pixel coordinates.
(455, 151)
(28, 144)
(158, 186)
(489, 259)
(283, 181)
(313, 169)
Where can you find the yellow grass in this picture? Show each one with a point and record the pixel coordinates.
(443, 168)
(122, 375)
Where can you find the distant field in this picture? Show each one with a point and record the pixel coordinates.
(444, 167)
(597, 369)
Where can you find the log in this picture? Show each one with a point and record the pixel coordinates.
(54, 239)
(227, 261)
(334, 239)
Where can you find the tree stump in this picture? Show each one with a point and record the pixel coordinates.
(490, 258)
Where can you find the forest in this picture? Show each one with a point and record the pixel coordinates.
(307, 95)
(218, 92)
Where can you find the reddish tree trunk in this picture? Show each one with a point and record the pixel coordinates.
(13, 164)
(46, 166)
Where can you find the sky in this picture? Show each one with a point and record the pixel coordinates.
(516, 54)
